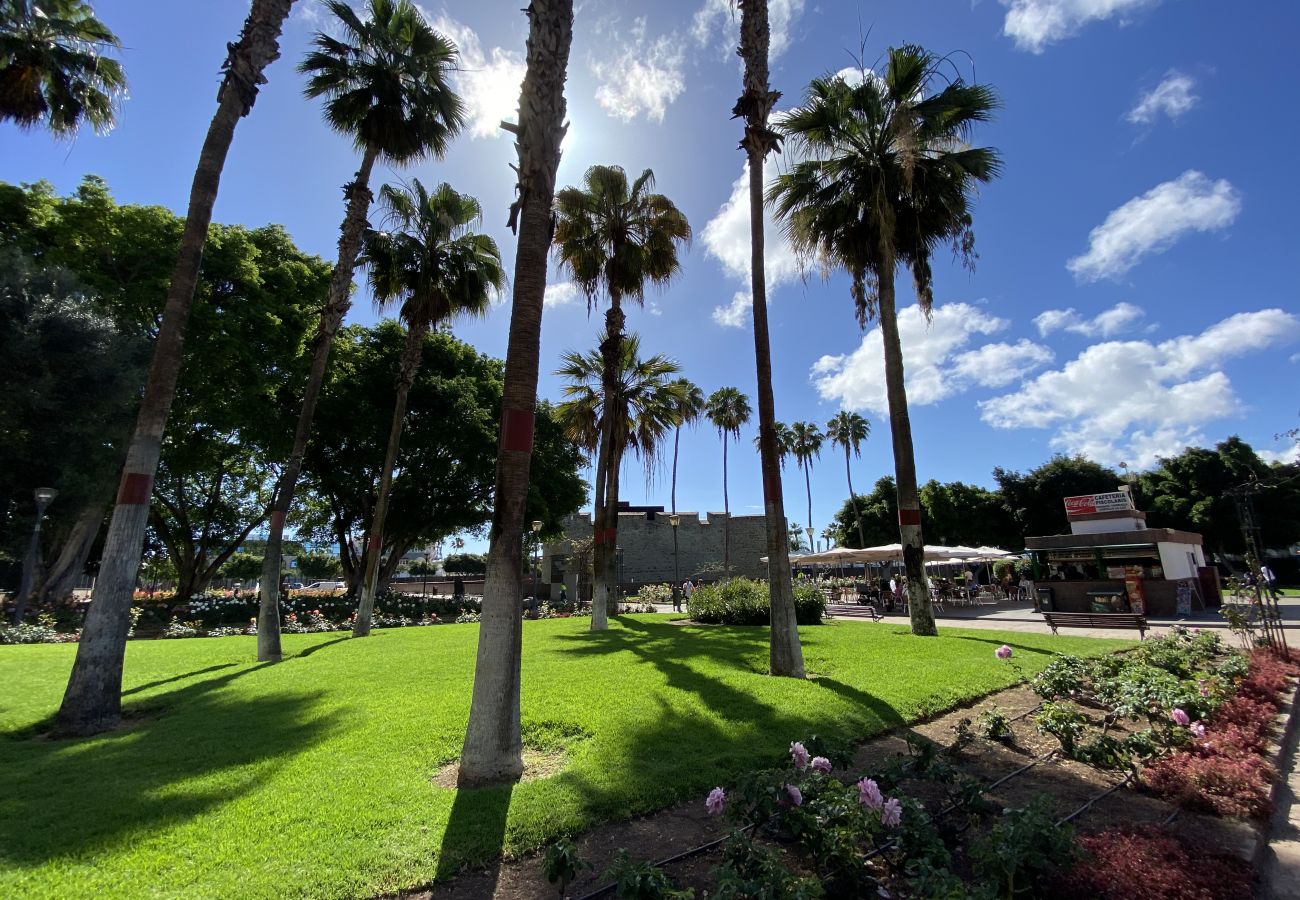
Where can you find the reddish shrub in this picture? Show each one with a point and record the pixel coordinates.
(1250, 721)
(1214, 783)
(1132, 863)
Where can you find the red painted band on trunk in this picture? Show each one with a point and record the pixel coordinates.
(517, 430)
(277, 520)
(909, 517)
(771, 485)
(135, 489)
(374, 542)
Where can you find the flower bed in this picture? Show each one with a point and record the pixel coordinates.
(743, 601)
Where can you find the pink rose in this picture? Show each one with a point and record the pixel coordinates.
(1198, 730)
(869, 794)
(1003, 652)
(1180, 717)
(794, 796)
(821, 764)
(892, 813)
(799, 754)
(716, 800)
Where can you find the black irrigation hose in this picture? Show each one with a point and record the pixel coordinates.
(1128, 776)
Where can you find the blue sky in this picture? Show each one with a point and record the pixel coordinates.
(1134, 291)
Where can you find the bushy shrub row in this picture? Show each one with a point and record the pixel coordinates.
(743, 601)
(1146, 863)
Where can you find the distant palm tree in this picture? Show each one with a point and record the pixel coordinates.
(439, 268)
(886, 177)
(385, 81)
(785, 654)
(688, 413)
(493, 748)
(849, 430)
(53, 67)
(646, 402)
(93, 699)
(784, 442)
(616, 237)
(728, 409)
(805, 446)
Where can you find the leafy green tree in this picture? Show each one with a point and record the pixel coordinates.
(385, 81)
(318, 565)
(727, 409)
(439, 268)
(849, 430)
(465, 564)
(93, 699)
(806, 445)
(785, 655)
(1037, 498)
(493, 748)
(53, 67)
(875, 517)
(967, 514)
(616, 237)
(887, 174)
(242, 567)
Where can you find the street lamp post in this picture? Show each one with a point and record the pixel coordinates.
(675, 520)
(44, 497)
(537, 556)
(812, 548)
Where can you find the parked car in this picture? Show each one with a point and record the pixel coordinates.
(295, 586)
(327, 586)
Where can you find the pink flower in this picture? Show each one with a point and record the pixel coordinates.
(821, 764)
(794, 796)
(716, 800)
(1180, 717)
(799, 754)
(892, 813)
(1003, 652)
(869, 794)
(1198, 730)
(1205, 691)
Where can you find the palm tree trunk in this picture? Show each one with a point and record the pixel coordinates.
(857, 513)
(93, 700)
(726, 509)
(599, 618)
(611, 524)
(807, 481)
(909, 503)
(677, 572)
(352, 230)
(410, 366)
(493, 751)
(784, 652)
(605, 562)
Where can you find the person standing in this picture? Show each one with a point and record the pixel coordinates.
(688, 588)
(1270, 582)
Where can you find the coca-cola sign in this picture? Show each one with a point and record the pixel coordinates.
(1086, 504)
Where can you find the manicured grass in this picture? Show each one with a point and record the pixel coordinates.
(314, 777)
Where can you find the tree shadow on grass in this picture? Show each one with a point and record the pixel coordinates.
(476, 830)
(161, 681)
(303, 654)
(87, 796)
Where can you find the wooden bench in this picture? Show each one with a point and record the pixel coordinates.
(1097, 620)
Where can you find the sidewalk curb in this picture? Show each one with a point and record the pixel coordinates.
(1283, 752)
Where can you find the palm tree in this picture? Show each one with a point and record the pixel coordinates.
(439, 268)
(688, 413)
(785, 655)
(805, 445)
(784, 442)
(849, 430)
(93, 700)
(618, 237)
(385, 84)
(728, 409)
(493, 749)
(886, 177)
(53, 67)
(645, 403)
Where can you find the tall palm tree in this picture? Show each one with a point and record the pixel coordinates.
(645, 403)
(385, 84)
(688, 413)
(886, 177)
(728, 409)
(53, 67)
(784, 442)
(615, 236)
(438, 267)
(493, 749)
(806, 445)
(93, 699)
(849, 430)
(785, 655)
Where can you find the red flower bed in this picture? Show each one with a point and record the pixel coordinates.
(1132, 863)
(1225, 772)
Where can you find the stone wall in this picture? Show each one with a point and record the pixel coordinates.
(646, 541)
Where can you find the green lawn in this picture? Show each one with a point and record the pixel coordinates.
(313, 777)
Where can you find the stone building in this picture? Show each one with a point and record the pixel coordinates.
(645, 543)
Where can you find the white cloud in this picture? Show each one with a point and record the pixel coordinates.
(937, 363)
(736, 313)
(726, 239)
(561, 293)
(717, 22)
(1286, 457)
(1135, 400)
(1105, 324)
(1152, 223)
(488, 82)
(1034, 24)
(1173, 97)
(641, 77)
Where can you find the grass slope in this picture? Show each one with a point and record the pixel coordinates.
(313, 777)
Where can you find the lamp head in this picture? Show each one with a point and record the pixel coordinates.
(537, 526)
(44, 495)
(674, 520)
